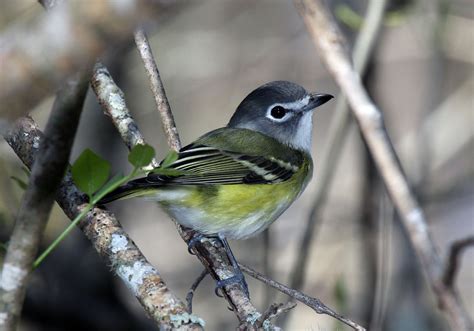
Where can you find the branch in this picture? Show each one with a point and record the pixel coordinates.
(331, 46)
(112, 100)
(46, 174)
(335, 139)
(194, 286)
(158, 90)
(274, 311)
(318, 306)
(454, 260)
(211, 252)
(110, 241)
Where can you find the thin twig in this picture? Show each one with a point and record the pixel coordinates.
(47, 172)
(158, 90)
(383, 251)
(266, 264)
(111, 242)
(274, 311)
(210, 252)
(318, 306)
(194, 286)
(331, 45)
(454, 260)
(337, 133)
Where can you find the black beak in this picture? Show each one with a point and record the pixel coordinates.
(318, 99)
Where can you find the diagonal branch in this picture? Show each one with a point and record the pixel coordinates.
(338, 130)
(46, 174)
(317, 305)
(331, 46)
(158, 90)
(110, 241)
(112, 100)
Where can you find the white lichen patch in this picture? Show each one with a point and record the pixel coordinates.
(118, 243)
(36, 142)
(12, 277)
(133, 275)
(116, 101)
(252, 318)
(185, 318)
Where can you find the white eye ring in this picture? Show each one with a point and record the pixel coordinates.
(278, 109)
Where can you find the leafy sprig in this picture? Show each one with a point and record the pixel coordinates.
(91, 175)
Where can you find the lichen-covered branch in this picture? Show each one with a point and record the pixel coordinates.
(317, 305)
(332, 49)
(46, 174)
(112, 100)
(110, 241)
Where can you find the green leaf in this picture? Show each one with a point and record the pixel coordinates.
(169, 159)
(168, 172)
(23, 185)
(141, 155)
(349, 17)
(90, 172)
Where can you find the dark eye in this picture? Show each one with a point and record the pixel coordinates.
(278, 112)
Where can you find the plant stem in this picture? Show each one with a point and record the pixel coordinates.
(93, 200)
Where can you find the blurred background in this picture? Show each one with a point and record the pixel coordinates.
(211, 54)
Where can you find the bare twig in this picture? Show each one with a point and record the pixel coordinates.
(47, 172)
(194, 286)
(110, 241)
(210, 252)
(112, 100)
(157, 89)
(330, 43)
(454, 260)
(338, 130)
(383, 252)
(274, 311)
(266, 264)
(318, 306)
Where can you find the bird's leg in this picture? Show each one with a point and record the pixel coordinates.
(197, 238)
(238, 277)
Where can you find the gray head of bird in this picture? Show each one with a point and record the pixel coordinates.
(281, 110)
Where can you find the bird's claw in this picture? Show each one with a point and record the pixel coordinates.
(238, 278)
(193, 242)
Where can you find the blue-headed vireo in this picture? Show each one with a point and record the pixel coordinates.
(235, 181)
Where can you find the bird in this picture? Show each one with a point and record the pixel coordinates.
(235, 181)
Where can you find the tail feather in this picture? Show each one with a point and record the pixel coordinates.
(134, 188)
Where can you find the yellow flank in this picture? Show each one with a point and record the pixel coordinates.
(236, 211)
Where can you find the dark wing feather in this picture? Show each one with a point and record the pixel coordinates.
(204, 165)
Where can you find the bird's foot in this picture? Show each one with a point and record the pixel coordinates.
(196, 239)
(238, 278)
